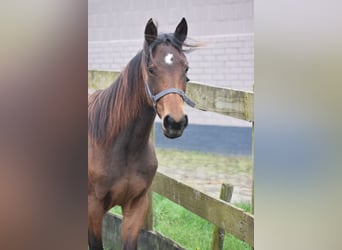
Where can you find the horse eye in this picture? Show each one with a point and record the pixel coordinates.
(186, 69)
(150, 69)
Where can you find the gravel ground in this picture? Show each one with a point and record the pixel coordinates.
(211, 183)
(206, 172)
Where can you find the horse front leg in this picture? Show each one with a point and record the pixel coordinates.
(134, 214)
(95, 216)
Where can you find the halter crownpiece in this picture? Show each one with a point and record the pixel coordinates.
(165, 92)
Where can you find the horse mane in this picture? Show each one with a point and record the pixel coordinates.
(111, 109)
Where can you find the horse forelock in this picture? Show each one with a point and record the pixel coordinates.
(169, 38)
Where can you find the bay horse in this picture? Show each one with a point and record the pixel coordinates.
(121, 158)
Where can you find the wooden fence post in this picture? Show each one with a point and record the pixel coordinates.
(218, 233)
(148, 225)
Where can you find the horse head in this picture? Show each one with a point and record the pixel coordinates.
(166, 76)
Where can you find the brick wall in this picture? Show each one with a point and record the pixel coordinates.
(226, 61)
(116, 33)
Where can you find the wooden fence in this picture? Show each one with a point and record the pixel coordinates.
(226, 217)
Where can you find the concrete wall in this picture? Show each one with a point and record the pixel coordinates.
(116, 34)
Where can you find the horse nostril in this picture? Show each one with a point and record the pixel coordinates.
(168, 121)
(185, 121)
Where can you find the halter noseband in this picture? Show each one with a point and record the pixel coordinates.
(165, 92)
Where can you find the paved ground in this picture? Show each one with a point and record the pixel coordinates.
(209, 138)
(210, 132)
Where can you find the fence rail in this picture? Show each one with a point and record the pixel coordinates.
(224, 215)
(230, 102)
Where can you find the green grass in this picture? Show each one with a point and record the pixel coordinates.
(186, 228)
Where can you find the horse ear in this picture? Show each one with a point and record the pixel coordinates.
(181, 30)
(151, 32)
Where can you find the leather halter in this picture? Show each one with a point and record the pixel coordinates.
(165, 92)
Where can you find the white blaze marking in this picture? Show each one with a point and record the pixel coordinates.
(169, 58)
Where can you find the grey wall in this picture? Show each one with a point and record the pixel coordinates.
(116, 34)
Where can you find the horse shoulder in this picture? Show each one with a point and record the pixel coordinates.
(146, 165)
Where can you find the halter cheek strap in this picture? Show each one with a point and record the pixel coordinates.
(165, 92)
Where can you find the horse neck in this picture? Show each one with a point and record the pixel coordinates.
(142, 125)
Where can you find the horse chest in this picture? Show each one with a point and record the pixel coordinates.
(130, 186)
(133, 176)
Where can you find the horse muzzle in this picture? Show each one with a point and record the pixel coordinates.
(172, 128)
